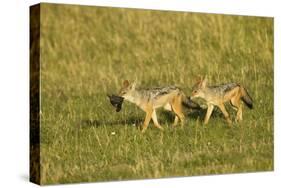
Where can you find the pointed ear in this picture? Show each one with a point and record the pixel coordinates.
(198, 80)
(126, 83)
(204, 82)
(133, 86)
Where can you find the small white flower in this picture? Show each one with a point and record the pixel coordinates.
(113, 133)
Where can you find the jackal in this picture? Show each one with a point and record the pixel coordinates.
(170, 98)
(218, 95)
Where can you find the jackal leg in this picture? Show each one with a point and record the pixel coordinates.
(147, 119)
(239, 113)
(225, 113)
(208, 114)
(177, 108)
(237, 103)
(176, 121)
(169, 108)
(155, 121)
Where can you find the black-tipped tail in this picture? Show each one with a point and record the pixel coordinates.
(246, 98)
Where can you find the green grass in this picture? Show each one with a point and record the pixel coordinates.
(87, 52)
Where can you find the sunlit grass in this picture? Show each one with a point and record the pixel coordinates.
(86, 52)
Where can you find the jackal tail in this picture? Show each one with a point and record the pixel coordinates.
(246, 98)
(187, 102)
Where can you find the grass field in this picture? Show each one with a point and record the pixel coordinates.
(87, 52)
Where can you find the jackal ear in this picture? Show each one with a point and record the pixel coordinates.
(199, 80)
(126, 83)
(133, 86)
(204, 82)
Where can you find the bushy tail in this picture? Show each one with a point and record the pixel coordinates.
(187, 102)
(246, 98)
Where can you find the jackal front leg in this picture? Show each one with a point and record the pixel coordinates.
(208, 114)
(225, 113)
(155, 121)
(148, 111)
(176, 121)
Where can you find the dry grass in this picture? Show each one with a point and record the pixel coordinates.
(86, 52)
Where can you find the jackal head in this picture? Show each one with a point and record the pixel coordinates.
(199, 88)
(127, 89)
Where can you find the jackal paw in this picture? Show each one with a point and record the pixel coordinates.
(161, 128)
(229, 122)
(237, 120)
(143, 131)
(174, 124)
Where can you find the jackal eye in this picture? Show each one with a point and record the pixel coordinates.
(195, 91)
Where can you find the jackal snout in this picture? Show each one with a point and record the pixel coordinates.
(198, 88)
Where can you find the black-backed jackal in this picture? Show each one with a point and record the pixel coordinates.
(170, 98)
(218, 95)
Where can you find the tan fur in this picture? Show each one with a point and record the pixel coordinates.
(218, 95)
(170, 98)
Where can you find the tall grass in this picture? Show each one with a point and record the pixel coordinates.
(86, 52)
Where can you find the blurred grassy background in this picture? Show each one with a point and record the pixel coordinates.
(87, 52)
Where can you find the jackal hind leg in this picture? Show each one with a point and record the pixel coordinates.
(147, 119)
(208, 114)
(236, 102)
(176, 121)
(169, 108)
(239, 116)
(177, 108)
(155, 121)
(225, 113)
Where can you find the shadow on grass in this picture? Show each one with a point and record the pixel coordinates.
(137, 121)
(197, 114)
(202, 112)
(193, 114)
